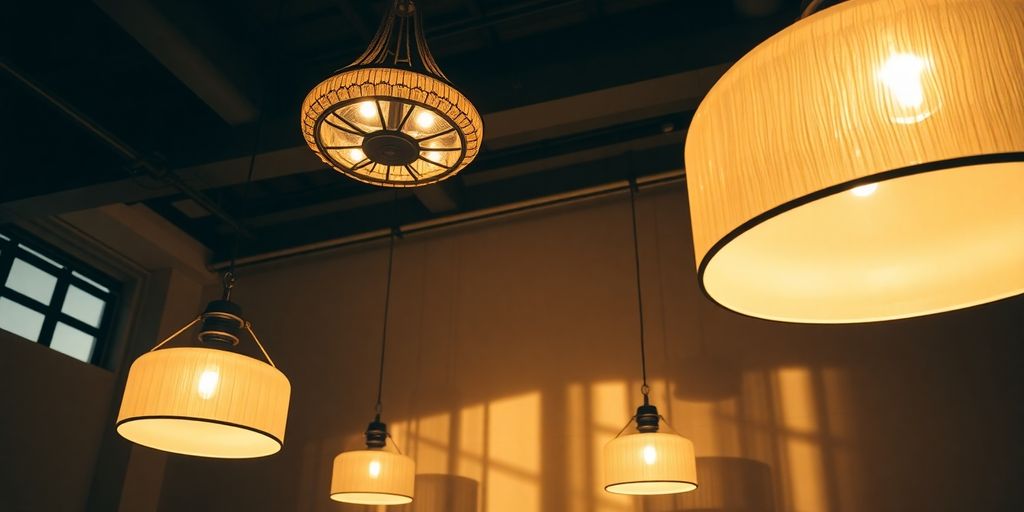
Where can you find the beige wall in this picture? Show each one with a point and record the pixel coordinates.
(59, 451)
(513, 359)
(55, 409)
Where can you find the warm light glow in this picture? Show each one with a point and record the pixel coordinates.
(650, 455)
(208, 383)
(425, 120)
(337, 104)
(434, 156)
(901, 74)
(368, 110)
(649, 464)
(864, 190)
(929, 92)
(235, 408)
(373, 477)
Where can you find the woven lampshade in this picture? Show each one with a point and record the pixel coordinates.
(373, 477)
(205, 402)
(392, 118)
(865, 164)
(649, 463)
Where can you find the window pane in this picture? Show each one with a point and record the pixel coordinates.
(90, 281)
(73, 342)
(31, 281)
(20, 320)
(83, 306)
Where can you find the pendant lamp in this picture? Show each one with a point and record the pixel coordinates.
(380, 474)
(865, 164)
(392, 118)
(647, 462)
(207, 401)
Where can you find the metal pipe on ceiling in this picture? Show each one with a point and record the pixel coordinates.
(137, 161)
(459, 219)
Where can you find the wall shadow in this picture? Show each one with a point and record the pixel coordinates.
(727, 484)
(513, 359)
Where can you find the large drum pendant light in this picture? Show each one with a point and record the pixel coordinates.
(207, 401)
(865, 164)
(392, 118)
(647, 462)
(380, 474)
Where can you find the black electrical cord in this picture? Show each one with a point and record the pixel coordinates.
(387, 301)
(645, 389)
(229, 275)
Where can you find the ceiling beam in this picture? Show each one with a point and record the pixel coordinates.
(506, 129)
(478, 14)
(194, 64)
(348, 10)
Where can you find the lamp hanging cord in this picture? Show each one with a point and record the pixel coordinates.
(645, 389)
(387, 301)
(245, 192)
(264, 58)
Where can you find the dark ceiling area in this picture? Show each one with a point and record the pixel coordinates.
(574, 93)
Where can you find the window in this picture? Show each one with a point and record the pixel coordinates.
(52, 299)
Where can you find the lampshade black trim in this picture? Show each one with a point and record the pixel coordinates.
(333, 494)
(280, 443)
(940, 165)
(694, 484)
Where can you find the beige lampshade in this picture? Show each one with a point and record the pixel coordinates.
(865, 164)
(649, 464)
(204, 402)
(373, 477)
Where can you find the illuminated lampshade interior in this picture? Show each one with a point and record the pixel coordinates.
(913, 245)
(205, 402)
(373, 477)
(650, 464)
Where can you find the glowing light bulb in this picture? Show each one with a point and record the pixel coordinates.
(425, 120)
(901, 74)
(434, 156)
(374, 469)
(864, 190)
(650, 455)
(356, 155)
(208, 382)
(367, 110)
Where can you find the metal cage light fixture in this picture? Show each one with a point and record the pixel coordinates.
(381, 474)
(647, 462)
(207, 401)
(392, 118)
(865, 164)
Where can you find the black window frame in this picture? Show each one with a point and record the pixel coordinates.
(11, 249)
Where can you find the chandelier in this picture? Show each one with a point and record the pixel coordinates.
(392, 118)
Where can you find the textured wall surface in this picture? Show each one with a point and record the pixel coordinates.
(513, 359)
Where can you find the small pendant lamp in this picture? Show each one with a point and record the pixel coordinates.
(647, 462)
(865, 164)
(392, 118)
(207, 401)
(378, 475)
